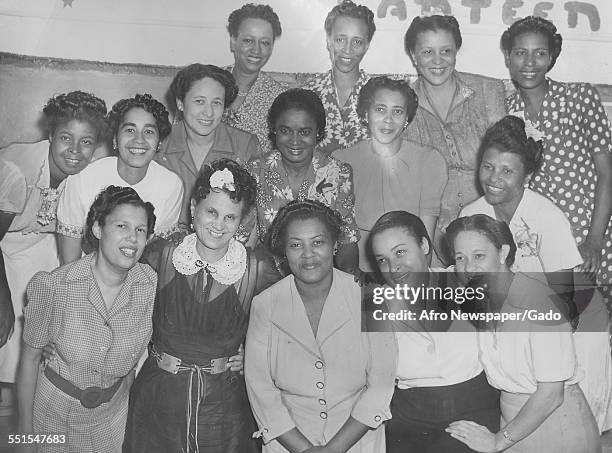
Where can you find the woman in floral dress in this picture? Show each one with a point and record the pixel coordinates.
(349, 28)
(570, 119)
(295, 171)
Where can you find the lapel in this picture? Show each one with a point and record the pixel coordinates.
(336, 311)
(290, 317)
(83, 286)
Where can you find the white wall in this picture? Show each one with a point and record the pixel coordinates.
(178, 32)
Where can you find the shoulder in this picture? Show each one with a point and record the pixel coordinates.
(145, 274)
(352, 153)
(156, 170)
(478, 206)
(97, 167)
(535, 202)
(480, 82)
(277, 293)
(27, 157)
(527, 292)
(317, 81)
(422, 152)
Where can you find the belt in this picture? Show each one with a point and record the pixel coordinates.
(173, 365)
(90, 397)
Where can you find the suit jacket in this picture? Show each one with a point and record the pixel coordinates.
(295, 379)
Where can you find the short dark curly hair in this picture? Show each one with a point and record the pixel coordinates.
(143, 101)
(244, 184)
(496, 231)
(431, 23)
(508, 135)
(301, 210)
(297, 99)
(253, 11)
(106, 202)
(350, 9)
(185, 78)
(76, 105)
(534, 24)
(368, 92)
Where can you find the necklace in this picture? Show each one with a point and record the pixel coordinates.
(227, 271)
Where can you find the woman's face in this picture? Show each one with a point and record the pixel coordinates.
(296, 136)
(502, 177)
(399, 256)
(476, 255)
(309, 249)
(386, 115)
(528, 60)
(137, 138)
(72, 145)
(203, 106)
(216, 219)
(253, 45)
(123, 236)
(434, 56)
(347, 43)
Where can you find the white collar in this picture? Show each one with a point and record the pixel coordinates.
(227, 271)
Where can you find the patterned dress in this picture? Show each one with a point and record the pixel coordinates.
(344, 127)
(329, 181)
(574, 127)
(252, 115)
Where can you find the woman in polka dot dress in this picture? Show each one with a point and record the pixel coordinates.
(570, 120)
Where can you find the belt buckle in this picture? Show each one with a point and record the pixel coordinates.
(218, 365)
(169, 363)
(91, 397)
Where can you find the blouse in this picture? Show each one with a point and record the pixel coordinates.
(328, 181)
(160, 186)
(343, 127)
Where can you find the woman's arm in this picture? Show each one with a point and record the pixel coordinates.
(294, 441)
(7, 314)
(546, 399)
(591, 248)
(26, 385)
(70, 248)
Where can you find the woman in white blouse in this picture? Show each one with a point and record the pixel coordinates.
(532, 361)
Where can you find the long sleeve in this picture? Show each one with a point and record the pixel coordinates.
(271, 414)
(372, 407)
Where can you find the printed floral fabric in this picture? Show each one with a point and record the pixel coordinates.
(344, 128)
(573, 126)
(329, 181)
(252, 115)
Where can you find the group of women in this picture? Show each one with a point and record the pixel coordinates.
(323, 184)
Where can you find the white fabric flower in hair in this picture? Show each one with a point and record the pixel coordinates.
(223, 179)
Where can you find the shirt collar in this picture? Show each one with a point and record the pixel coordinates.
(82, 269)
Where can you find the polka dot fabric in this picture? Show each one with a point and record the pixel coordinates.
(575, 128)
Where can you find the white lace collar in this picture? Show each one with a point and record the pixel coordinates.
(227, 271)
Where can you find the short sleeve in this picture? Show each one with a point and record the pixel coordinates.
(595, 122)
(13, 188)
(495, 95)
(434, 177)
(71, 210)
(553, 354)
(39, 309)
(168, 217)
(558, 248)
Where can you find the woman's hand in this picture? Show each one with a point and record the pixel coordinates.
(236, 362)
(590, 250)
(48, 351)
(475, 436)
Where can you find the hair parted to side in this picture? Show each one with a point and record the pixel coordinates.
(368, 92)
(297, 99)
(434, 23)
(301, 210)
(496, 231)
(187, 76)
(106, 202)
(143, 101)
(508, 135)
(79, 106)
(534, 24)
(410, 223)
(253, 11)
(350, 9)
(244, 183)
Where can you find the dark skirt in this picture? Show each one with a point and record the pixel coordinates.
(421, 414)
(157, 416)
